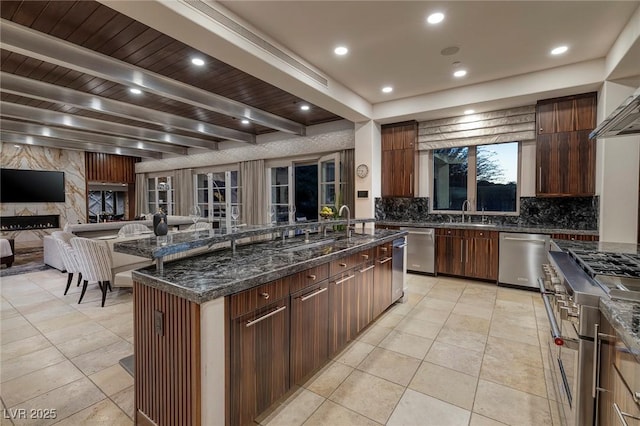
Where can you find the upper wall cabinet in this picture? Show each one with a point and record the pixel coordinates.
(567, 114)
(565, 157)
(398, 158)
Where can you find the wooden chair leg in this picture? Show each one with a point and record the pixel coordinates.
(105, 284)
(84, 289)
(69, 279)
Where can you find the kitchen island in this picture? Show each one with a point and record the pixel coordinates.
(221, 336)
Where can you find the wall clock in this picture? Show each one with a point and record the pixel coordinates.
(362, 171)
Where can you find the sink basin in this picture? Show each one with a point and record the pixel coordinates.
(472, 225)
(306, 246)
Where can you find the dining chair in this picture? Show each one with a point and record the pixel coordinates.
(68, 255)
(132, 229)
(94, 260)
(200, 226)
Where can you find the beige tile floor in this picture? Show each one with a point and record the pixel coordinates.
(458, 352)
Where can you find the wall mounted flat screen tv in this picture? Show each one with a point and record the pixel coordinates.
(31, 186)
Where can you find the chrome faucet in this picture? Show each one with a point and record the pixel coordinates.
(466, 203)
(344, 206)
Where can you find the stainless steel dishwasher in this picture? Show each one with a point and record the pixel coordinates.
(420, 250)
(399, 269)
(521, 258)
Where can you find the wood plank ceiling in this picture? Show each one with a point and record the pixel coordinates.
(75, 102)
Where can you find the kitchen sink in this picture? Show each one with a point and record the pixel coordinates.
(306, 246)
(472, 225)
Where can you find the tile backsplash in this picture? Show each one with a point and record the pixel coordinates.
(561, 212)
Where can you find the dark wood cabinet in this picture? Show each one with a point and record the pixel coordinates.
(398, 158)
(565, 157)
(382, 279)
(309, 330)
(341, 310)
(566, 164)
(567, 114)
(259, 360)
(450, 251)
(467, 253)
(364, 284)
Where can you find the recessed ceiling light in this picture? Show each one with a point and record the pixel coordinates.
(559, 50)
(341, 50)
(245, 121)
(135, 91)
(304, 107)
(435, 18)
(197, 61)
(469, 111)
(387, 89)
(460, 73)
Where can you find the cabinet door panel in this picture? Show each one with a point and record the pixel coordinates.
(364, 294)
(382, 284)
(259, 361)
(585, 113)
(449, 255)
(482, 255)
(341, 310)
(309, 330)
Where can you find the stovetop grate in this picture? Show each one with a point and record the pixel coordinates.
(605, 263)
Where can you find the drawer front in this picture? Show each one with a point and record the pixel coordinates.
(450, 232)
(341, 265)
(255, 298)
(364, 256)
(309, 277)
(475, 233)
(384, 250)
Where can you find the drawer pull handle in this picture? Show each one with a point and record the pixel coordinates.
(366, 256)
(344, 265)
(344, 279)
(314, 294)
(265, 295)
(367, 268)
(311, 277)
(257, 320)
(385, 260)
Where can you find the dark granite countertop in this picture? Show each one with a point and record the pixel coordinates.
(222, 272)
(597, 246)
(155, 247)
(625, 318)
(489, 227)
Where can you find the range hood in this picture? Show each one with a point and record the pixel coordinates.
(625, 120)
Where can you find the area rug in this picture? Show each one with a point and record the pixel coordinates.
(26, 260)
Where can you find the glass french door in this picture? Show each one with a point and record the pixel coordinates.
(329, 168)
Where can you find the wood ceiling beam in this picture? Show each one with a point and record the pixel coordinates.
(28, 42)
(33, 129)
(23, 86)
(17, 138)
(55, 118)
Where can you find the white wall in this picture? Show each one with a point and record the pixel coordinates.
(368, 150)
(617, 173)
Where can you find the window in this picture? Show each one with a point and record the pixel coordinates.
(487, 174)
(280, 193)
(216, 193)
(160, 194)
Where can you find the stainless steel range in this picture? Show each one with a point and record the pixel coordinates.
(571, 289)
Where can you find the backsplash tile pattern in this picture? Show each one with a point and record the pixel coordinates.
(562, 212)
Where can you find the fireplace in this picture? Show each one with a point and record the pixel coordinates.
(28, 223)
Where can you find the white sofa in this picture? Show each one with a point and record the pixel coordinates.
(92, 230)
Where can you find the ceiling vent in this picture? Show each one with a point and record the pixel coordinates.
(243, 32)
(623, 121)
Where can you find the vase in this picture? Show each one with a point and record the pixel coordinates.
(157, 218)
(162, 228)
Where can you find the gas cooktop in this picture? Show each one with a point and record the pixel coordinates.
(617, 273)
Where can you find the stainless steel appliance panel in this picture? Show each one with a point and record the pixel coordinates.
(399, 268)
(420, 250)
(521, 258)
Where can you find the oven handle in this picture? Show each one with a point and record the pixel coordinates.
(555, 331)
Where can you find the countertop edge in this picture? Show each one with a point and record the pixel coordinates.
(201, 297)
(501, 228)
(615, 312)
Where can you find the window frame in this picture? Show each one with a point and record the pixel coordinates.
(472, 182)
(225, 206)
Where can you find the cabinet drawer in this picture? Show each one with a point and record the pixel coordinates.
(450, 232)
(364, 256)
(309, 277)
(341, 265)
(383, 250)
(475, 233)
(255, 298)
